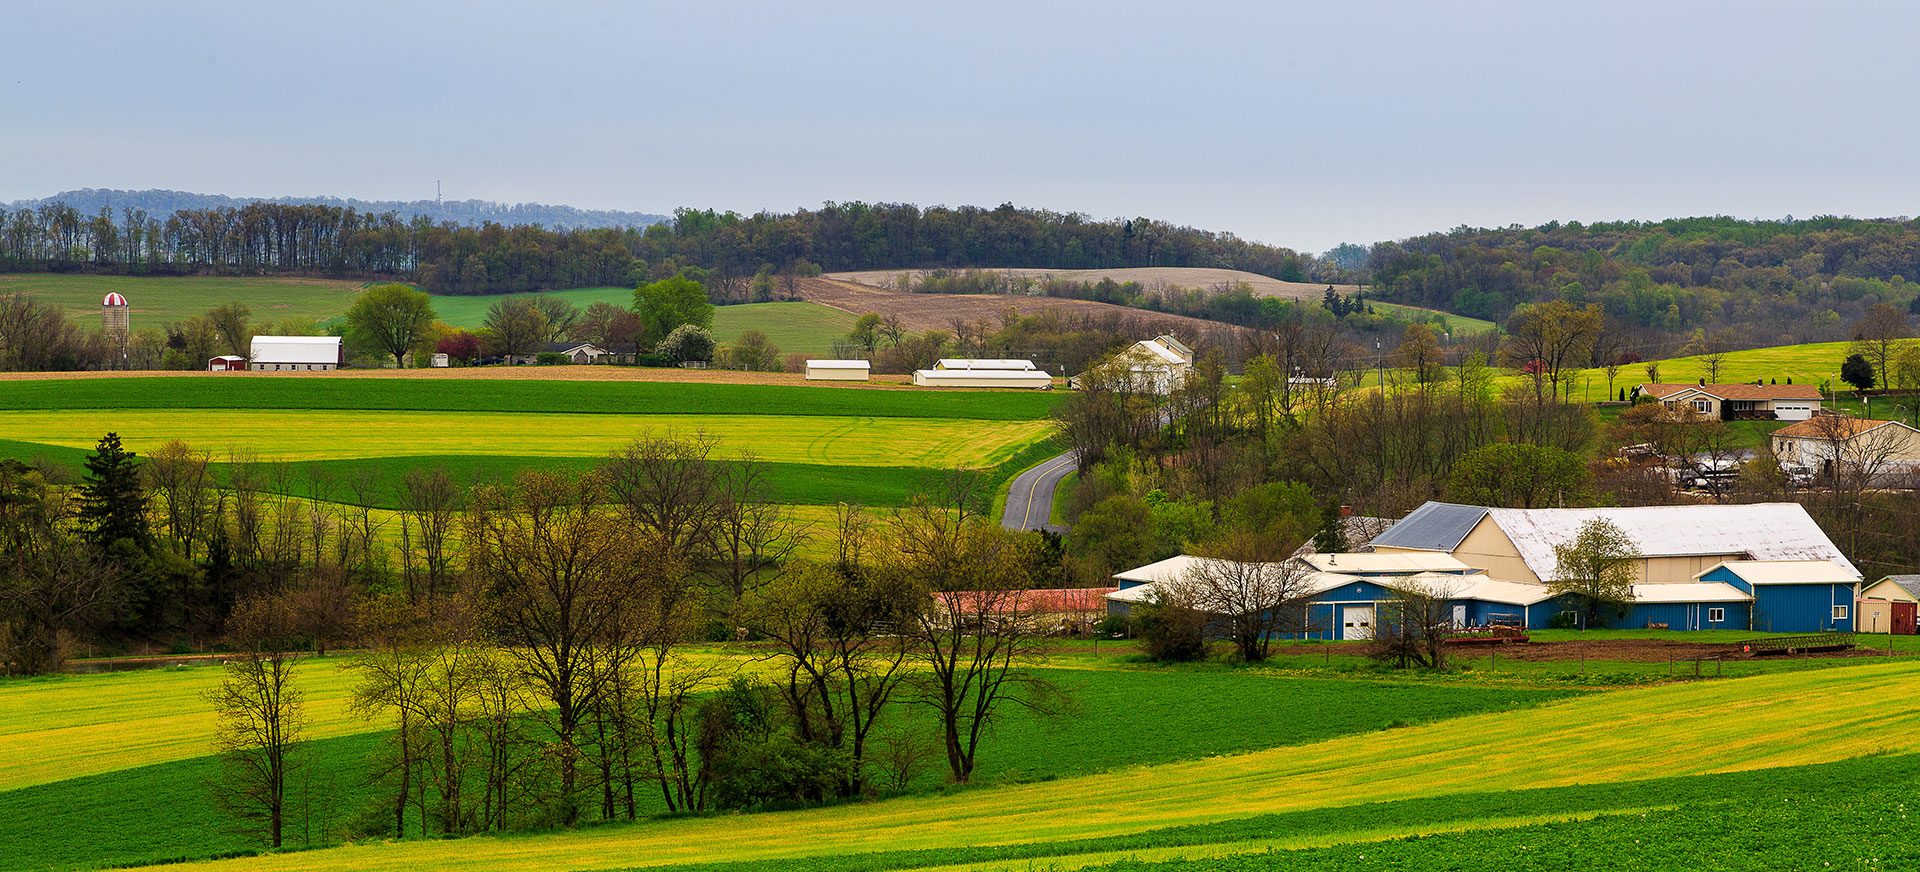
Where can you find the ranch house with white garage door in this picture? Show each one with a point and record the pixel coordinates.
(1739, 402)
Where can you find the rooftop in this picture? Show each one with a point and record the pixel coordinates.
(1385, 562)
(1787, 571)
(1743, 391)
(1832, 427)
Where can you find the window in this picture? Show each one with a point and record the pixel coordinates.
(1715, 616)
(1839, 613)
(1703, 406)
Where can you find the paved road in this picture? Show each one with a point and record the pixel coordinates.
(1030, 495)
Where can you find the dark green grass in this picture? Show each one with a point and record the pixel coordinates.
(1830, 816)
(1118, 718)
(154, 814)
(488, 395)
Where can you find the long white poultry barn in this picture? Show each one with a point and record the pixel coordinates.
(301, 353)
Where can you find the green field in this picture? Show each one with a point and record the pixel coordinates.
(1329, 780)
(105, 807)
(1458, 325)
(156, 301)
(808, 328)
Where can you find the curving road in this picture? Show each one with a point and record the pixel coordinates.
(1030, 495)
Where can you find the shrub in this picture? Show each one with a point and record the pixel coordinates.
(1563, 621)
(1170, 631)
(551, 358)
(1115, 627)
(687, 343)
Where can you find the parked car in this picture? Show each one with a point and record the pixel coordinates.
(1798, 474)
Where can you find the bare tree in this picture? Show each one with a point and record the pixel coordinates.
(752, 532)
(1413, 625)
(261, 716)
(669, 488)
(1878, 336)
(1251, 592)
(1552, 338)
(429, 518)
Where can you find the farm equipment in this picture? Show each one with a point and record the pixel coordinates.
(1816, 643)
(1494, 634)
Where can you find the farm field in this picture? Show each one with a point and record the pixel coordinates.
(1629, 751)
(1809, 364)
(157, 300)
(920, 312)
(807, 328)
(1176, 715)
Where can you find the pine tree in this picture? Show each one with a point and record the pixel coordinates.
(113, 501)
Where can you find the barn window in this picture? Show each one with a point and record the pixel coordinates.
(1839, 613)
(1715, 616)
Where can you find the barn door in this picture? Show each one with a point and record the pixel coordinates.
(1904, 615)
(1459, 617)
(1357, 623)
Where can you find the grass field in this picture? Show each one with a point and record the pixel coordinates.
(1663, 732)
(333, 435)
(1458, 325)
(808, 328)
(110, 815)
(155, 301)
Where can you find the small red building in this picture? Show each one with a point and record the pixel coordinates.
(227, 363)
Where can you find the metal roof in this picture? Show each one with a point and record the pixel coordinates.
(1689, 592)
(1384, 562)
(1786, 571)
(296, 349)
(1432, 527)
(839, 364)
(965, 363)
(1760, 531)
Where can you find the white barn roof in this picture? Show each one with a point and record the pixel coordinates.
(967, 363)
(296, 349)
(1761, 531)
(1787, 571)
(1385, 562)
(839, 364)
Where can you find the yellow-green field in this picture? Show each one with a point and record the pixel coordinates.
(1809, 364)
(332, 435)
(1697, 728)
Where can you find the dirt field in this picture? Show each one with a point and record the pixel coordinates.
(919, 312)
(1150, 277)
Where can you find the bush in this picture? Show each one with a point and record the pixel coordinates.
(551, 358)
(1115, 627)
(1170, 631)
(686, 343)
(1563, 621)
(751, 757)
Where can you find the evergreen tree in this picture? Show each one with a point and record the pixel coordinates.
(113, 501)
(1331, 538)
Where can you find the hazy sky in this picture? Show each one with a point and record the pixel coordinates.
(1302, 125)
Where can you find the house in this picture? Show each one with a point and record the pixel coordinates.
(575, 352)
(1830, 443)
(227, 363)
(958, 373)
(838, 370)
(301, 353)
(1890, 605)
(1159, 365)
(1739, 401)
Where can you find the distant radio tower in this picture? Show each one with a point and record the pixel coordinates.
(436, 195)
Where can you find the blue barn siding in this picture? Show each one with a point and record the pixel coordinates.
(1802, 608)
(1723, 574)
(1687, 616)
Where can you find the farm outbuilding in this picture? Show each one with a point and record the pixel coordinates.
(983, 378)
(1159, 365)
(1890, 605)
(297, 353)
(227, 363)
(1792, 596)
(839, 370)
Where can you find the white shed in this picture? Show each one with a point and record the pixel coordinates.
(838, 370)
(995, 363)
(302, 353)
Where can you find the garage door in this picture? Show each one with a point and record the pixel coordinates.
(1793, 411)
(1356, 623)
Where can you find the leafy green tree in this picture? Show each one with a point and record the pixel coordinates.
(1598, 568)
(113, 499)
(665, 305)
(687, 343)
(1519, 475)
(394, 318)
(1858, 372)
(230, 321)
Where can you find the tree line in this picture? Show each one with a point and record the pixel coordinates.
(531, 642)
(303, 239)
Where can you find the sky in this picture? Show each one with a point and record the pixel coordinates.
(1302, 125)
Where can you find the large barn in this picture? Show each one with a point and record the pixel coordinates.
(296, 353)
(1762, 567)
